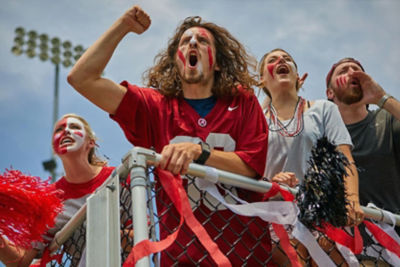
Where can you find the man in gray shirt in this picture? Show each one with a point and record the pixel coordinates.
(375, 134)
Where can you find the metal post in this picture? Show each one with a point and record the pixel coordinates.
(139, 202)
(55, 117)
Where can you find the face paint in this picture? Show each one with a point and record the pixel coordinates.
(57, 137)
(69, 135)
(210, 57)
(182, 57)
(341, 81)
(189, 33)
(200, 67)
(193, 41)
(271, 66)
(292, 66)
(203, 33)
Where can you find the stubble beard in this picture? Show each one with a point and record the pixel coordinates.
(192, 78)
(350, 96)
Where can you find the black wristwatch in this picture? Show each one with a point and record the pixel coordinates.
(205, 153)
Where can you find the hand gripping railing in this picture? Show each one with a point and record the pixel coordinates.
(136, 162)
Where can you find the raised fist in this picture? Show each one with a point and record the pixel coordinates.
(136, 19)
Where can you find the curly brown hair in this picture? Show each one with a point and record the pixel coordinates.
(233, 60)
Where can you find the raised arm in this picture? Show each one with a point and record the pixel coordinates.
(85, 76)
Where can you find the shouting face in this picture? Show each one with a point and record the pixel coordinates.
(345, 89)
(278, 69)
(69, 135)
(195, 56)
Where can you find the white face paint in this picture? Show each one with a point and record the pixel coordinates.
(200, 67)
(292, 66)
(193, 40)
(69, 135)
(189, 32)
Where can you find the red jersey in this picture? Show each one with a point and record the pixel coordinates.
(236, 124)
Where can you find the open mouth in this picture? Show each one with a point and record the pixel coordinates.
(282, 69)
(193, 59)
(66, 141)
(355, 82)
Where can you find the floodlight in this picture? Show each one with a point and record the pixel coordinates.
(30, 52)
(20, 31)
(43, 37)
(19, 40)
(43, 56)
(67, 44)
(17, 50)
(56, 59)
(32, 34)
(55, 41)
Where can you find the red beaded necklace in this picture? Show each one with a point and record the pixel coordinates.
(277, 126)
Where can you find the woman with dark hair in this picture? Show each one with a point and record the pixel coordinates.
(295, 125)
(74, 143)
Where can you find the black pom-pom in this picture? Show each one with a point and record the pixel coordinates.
(322, 197)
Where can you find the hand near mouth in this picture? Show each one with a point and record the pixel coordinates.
(372, 91)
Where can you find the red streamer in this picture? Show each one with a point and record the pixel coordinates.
(355, 244)
(383, 238)
(279, 229)
(173, 187)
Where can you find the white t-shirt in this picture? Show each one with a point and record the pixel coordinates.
(290, 154)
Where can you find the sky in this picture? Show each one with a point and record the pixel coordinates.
(316, 33)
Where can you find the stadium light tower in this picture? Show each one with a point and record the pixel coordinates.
(40, 45)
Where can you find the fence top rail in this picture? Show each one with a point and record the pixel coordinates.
(138, 155)
(248, 183)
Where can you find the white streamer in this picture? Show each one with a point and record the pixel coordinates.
(211, 175)
(348, 255)
(301, 233)
(281, 212)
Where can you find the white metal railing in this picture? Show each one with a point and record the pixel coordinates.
(136, 162)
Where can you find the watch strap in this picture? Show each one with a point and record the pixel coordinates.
(383, 100)
(205, 153)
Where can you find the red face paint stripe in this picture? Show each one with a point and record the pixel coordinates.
(271, 66)
(78, 133)
(182, 57)
(340, 81)
(203, 32)
(57, 136)
(210, 57)
(344, 80)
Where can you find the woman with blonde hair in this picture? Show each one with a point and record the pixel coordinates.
(74, 143)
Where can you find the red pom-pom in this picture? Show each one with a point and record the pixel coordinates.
(28, 207)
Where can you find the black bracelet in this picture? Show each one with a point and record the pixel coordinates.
(205, 153)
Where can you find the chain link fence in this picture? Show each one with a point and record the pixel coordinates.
(246, 241)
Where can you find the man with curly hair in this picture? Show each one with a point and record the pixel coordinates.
(202, 110)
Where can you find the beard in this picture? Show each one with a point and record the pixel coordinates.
(191, 78)
(350, 96)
